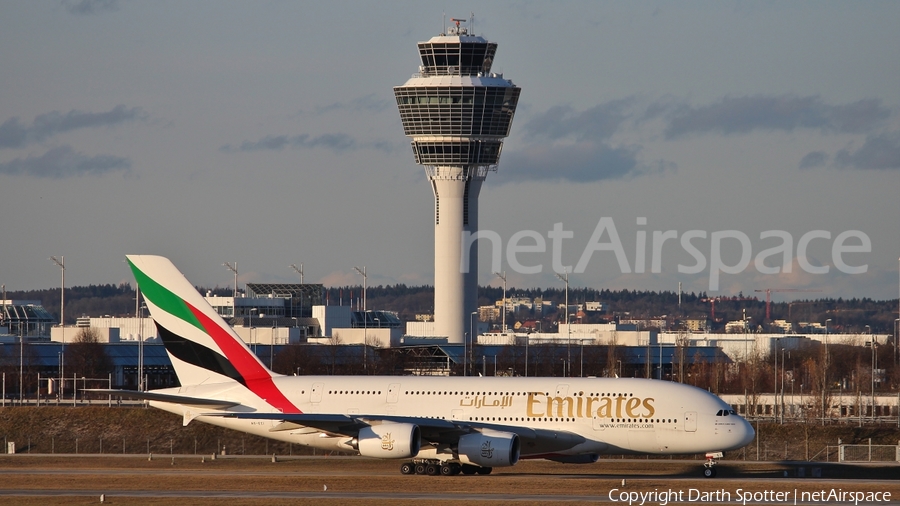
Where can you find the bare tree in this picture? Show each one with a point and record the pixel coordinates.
(750, 376)
(86, 356)
(371, 342)
(334, 349)
(300, 359)
(612, 355)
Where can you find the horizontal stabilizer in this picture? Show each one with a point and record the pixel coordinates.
(174, 399)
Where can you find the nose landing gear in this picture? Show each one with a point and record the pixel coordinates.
(709, 467)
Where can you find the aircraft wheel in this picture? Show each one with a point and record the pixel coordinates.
(469, 469)
(709, 472)
(407, 468)
(432, 470)
(420, 468)
(446, 470)
(485, 470)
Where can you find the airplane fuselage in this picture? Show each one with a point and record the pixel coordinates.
(612, 415)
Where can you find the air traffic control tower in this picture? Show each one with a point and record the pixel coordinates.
(457, 113)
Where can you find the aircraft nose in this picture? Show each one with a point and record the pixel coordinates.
(745, 433)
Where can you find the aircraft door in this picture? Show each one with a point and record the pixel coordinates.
(690, 421)
(393, 393)
(315, 395)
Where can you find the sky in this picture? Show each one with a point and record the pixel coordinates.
(727, 146)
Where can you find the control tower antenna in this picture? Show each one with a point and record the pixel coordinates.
(458, 30)
(457, 114)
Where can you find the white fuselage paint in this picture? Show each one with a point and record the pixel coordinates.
(613, 415)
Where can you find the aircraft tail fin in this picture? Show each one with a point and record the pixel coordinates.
(203, 348)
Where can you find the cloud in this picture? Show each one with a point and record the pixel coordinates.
(878, 152)
(334, 142)
(370, 103)
(338, 143)
(14, 134)
(598, 122)
(89, 7)
(567, 144)
(733, 115)
(814, 159)
(63, 162)
(584, 161)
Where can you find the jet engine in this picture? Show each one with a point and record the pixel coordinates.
(389, 441)
(489, 449)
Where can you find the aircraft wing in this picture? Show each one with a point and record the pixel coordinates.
(175, 399)
(436, 431)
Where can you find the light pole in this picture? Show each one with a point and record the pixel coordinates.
(465, 349)
(503, 321)
(252, 310)
(21, 364)
(233, 268)
(141, 348)
(581, 374)
(874, 365)
(272, 344)
(362, 272)
(365, 314)
(528, 341)
(775, 377)
(873, 343)
(782, 386)
(300, 272)
(472, 337)
(568, 327)
(825, 372)
(62, 317)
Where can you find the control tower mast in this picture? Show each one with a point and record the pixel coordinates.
(457, 113)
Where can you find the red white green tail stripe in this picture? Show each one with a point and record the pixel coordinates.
(202, 347)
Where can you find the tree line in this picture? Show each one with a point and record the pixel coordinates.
(845, 315)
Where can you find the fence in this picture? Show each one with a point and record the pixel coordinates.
(869, 453)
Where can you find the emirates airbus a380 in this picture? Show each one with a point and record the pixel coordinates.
(433, 425)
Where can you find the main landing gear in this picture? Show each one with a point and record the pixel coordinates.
(709, 467)
(438, 468)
